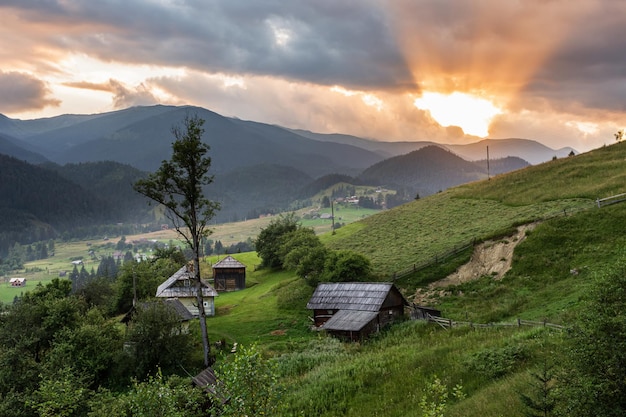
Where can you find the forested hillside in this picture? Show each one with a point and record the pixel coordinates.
(425, 171)
(38, 204)
(112, 184)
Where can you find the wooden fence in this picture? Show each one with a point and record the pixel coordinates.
(618, 198)
(432, 261)
(449, 323)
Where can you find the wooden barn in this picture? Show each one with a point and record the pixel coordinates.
(229, 275)
(180, 286)
(354, 310)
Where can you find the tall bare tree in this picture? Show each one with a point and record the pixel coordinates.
(178, 186)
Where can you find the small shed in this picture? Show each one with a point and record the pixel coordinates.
(18, 282)
(354, 310)
(424, 312)
(229, 275)
(181, 286)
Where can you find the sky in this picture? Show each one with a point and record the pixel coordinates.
(449, 71)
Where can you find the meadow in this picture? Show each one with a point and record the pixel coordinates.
(398, 371)
(44, 270)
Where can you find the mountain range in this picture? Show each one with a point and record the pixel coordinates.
(257, 167)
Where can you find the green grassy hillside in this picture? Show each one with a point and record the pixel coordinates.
(393, 373)
(417, 231)
(551, 271)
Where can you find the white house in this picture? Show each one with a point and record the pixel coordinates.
(180, 286)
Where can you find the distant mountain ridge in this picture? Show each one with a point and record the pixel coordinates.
(526, 149)
(141, 137)
(258, 167)
(425, 171)
(145, 136)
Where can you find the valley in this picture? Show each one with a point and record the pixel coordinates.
(558, 256)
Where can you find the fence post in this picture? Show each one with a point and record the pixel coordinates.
(519, 322)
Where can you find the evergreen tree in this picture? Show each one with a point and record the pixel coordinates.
(128, 257)
(75, 279)
(219, 248)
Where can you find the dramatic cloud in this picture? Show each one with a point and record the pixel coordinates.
(554, 69)
(123, 96)
(21, 92)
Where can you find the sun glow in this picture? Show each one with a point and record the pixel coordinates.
(470, 113)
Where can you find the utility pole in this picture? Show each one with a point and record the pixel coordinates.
(332, 214)
(134, 287)
(488, 176)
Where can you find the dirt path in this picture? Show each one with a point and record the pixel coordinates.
(491, 258)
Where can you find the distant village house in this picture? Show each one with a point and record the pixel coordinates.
(18, 282)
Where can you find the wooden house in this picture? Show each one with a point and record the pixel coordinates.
(229, 275)
(354, 310)
(18, 282)
(181, 286)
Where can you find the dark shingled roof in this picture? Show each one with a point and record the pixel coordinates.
(168, 289)
(363, 296)
(348, 320)
(181, 310)
(206, 380)
(229, 262)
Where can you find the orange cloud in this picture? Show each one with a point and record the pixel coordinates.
(487, 47)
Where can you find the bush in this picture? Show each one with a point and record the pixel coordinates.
(496, 363)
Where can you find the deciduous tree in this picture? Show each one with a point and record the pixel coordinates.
(269, 242)
(595, 369)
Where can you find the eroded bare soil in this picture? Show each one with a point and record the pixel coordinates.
(490, 258)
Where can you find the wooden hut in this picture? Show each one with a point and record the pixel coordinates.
(181, 286)
(229, 275)
(354, 310)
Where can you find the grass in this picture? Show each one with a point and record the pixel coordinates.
(269, 312)
(389, 374)
(550, 272)
(44, 270)
(420, 230)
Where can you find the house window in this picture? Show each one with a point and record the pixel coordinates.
(187, 283)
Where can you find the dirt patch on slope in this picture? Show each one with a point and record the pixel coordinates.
(491, 258)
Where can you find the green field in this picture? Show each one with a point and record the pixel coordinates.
(390, 375)
(44, 270)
